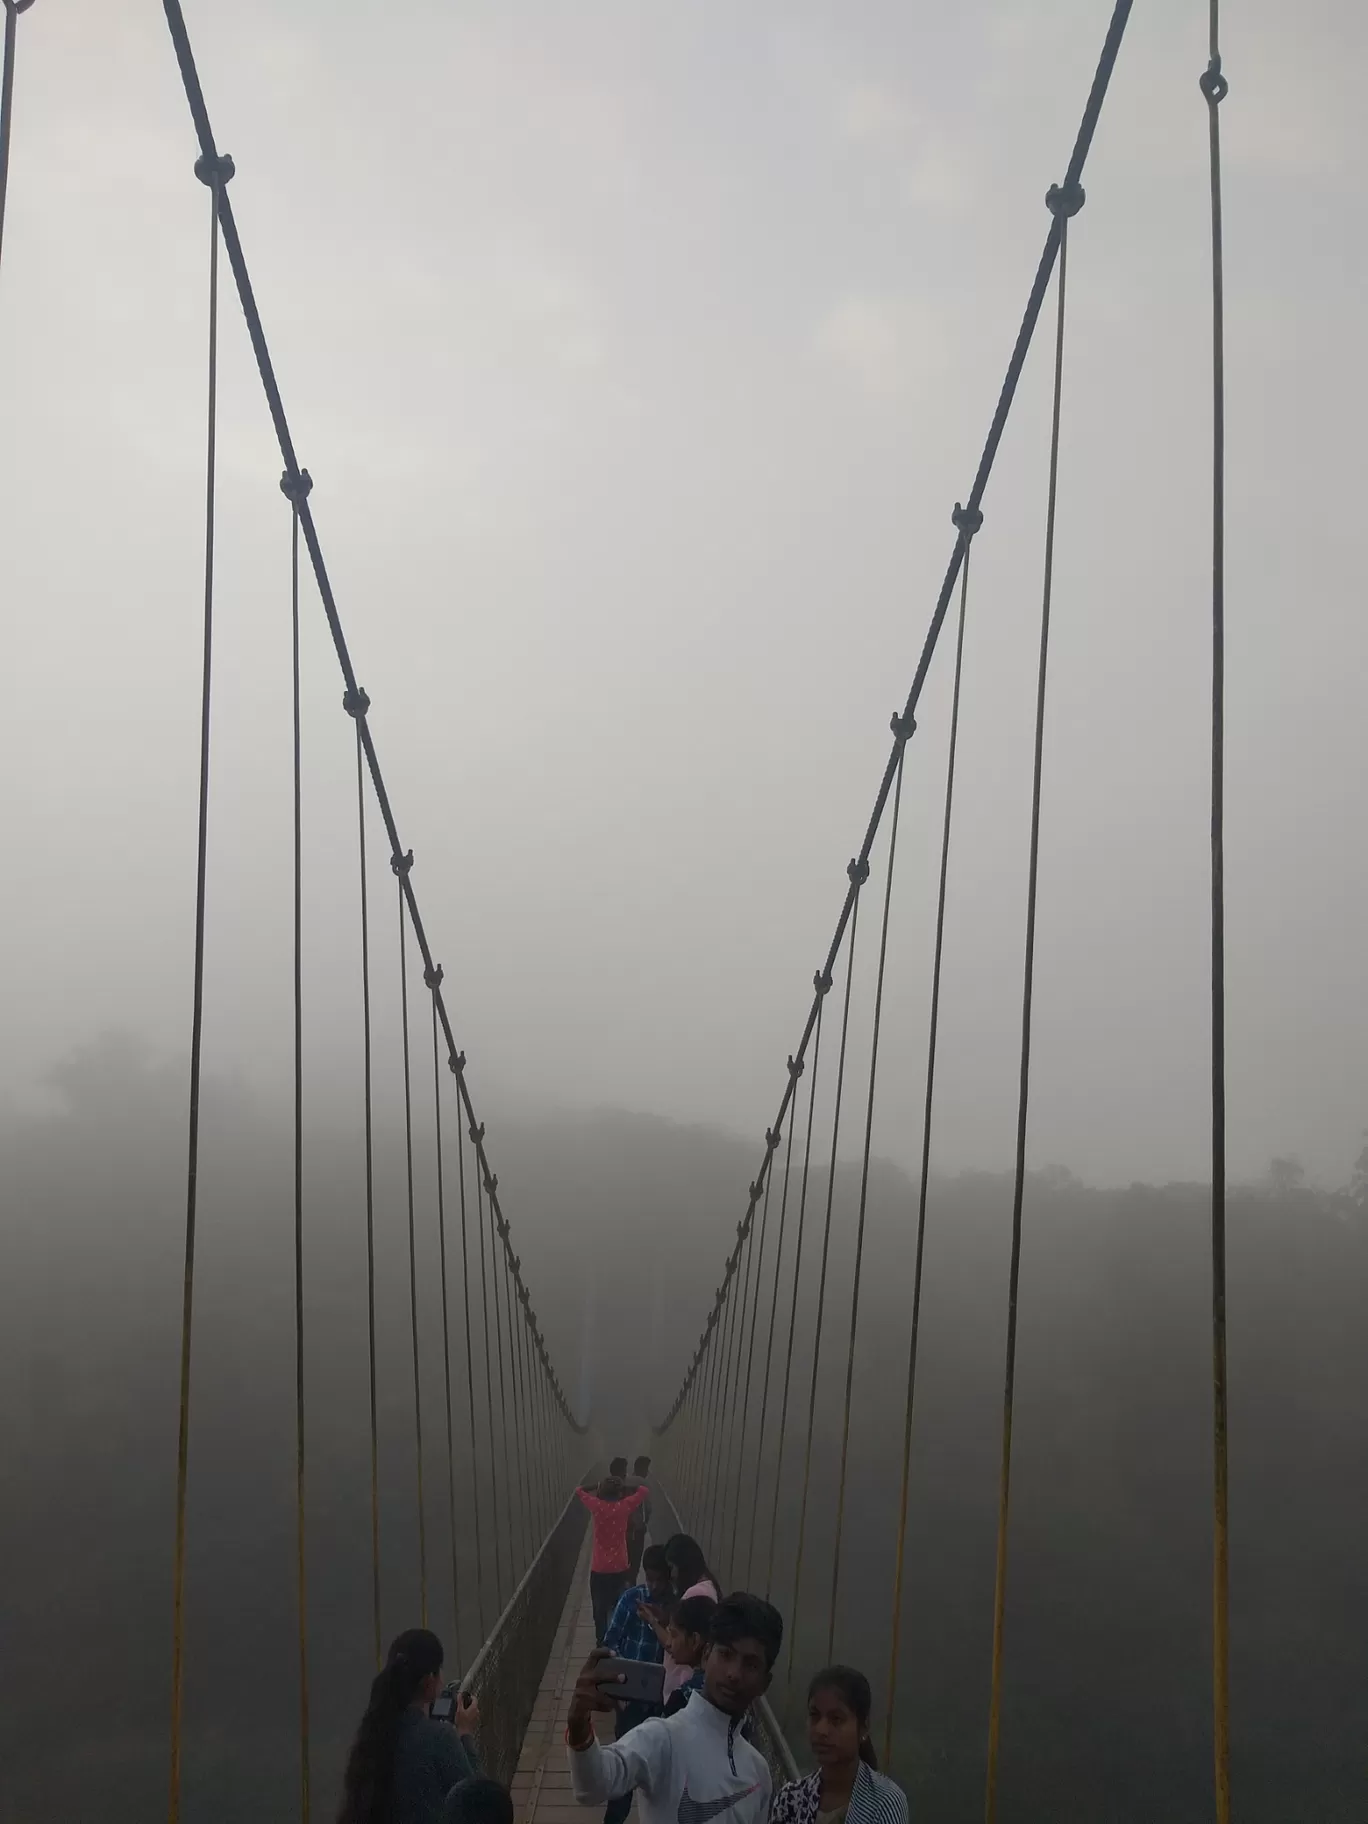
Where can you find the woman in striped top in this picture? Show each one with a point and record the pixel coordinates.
(846, 1788)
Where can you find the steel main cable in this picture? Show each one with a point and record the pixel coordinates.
(295, 489)
(797, 1280)
(1063, 201)
(967, 528)
(858, 876)
(232, 246)
(215, 173)
(904, 733)
(13, 8)
(1040, 284)
(401, 865)
(1215, 88)
(446, 1328)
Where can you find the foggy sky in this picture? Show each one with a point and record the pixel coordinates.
(638, 355)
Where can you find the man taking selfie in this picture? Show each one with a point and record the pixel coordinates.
(693, 1767)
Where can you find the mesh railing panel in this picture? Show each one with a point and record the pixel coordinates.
(507, 1671)
(764, 1729)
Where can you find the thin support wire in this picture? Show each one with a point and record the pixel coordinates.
(13, 8)
(822, 1278)
(769, 1339)
(213, 173)
(1064, 201)
(735, 1414)
(412, 1247)
(477, 1135)
(1215, 88)
(968, 528)
(470, 1377)
(446, 1331)
(864, 1196)
(772, 1142)
(797, 1275)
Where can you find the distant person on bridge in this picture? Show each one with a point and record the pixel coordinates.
(610, 1508)
(402, 1763)
(847, 1787)
(696, 1766)
(640, 1520)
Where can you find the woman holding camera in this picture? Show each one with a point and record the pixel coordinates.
(404, 1762)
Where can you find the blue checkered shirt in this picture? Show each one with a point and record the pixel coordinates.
(627, 1635)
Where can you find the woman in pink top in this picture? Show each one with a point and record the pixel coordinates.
(610, 1508)
(689, 1576)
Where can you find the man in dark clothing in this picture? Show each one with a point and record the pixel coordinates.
(637, 1525)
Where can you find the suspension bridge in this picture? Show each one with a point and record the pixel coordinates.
(755, 1431)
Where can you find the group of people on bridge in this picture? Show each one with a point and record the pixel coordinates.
(679, 1667)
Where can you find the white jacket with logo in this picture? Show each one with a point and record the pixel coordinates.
(691, 1768)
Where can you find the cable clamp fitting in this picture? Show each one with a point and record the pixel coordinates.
(903, 727)
(491, 1185)
(457, 1062)
(356, 702)
(212, 171)
(433, 976)
(821, 982)
(296, 485)
(1213, 84)
(402, 864)
(772, 1139)
(477, 1133)
(967, 520)
(18, 6)
(858, 871)
(796, 1066)
(1066, 199)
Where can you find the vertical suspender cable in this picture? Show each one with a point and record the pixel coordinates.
(356, 706)
(516, 1482)
(1064, 201)
(736, 1412)
(470, 1373)
(771, 1142)
(968, 526)
(477, 1136)
(858, 875)
(215, 173)
(1215, 87)
(903, 731)
(795, 1070)
(399, 863)
(13, 8)
(446, 1329)
(732, 1287)
(822, 985)
(503, 1387)
(294, 491)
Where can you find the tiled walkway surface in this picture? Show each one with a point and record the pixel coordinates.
(541, 1786)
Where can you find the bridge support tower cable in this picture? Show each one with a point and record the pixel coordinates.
(859, 873)
(215, 172)
(1064, 201)
(446, 1330)
(476, 1136)
(1215, 87)
(401, 865)
(13, 8)
(474, 1483)
(967, 528)
(902, 733)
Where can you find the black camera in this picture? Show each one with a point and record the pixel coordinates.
(444, 1706)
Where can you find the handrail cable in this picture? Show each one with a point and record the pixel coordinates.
(400, 868)
(488, 1383)
(858, 875)
(967, 528)
(295, 491)
(904, 734)
(470, 1377)
(13, 8)
(1215, 88)
(214, 172)
(797, 1278)
(446, 1332)
(1025, 333)
(232, 246)
(1063, 201)
(769, 1339)
(354, 709)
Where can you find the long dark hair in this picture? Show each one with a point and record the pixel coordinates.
(685, 1555)
(414, 1656)
(853, 1689)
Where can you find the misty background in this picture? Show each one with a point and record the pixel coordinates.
(638, 358)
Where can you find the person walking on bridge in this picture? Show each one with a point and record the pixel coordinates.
(696, 1766)
(610, 1508)
(640, 1520)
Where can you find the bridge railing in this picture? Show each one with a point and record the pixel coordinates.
(506, 1673)
(765, 1732)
